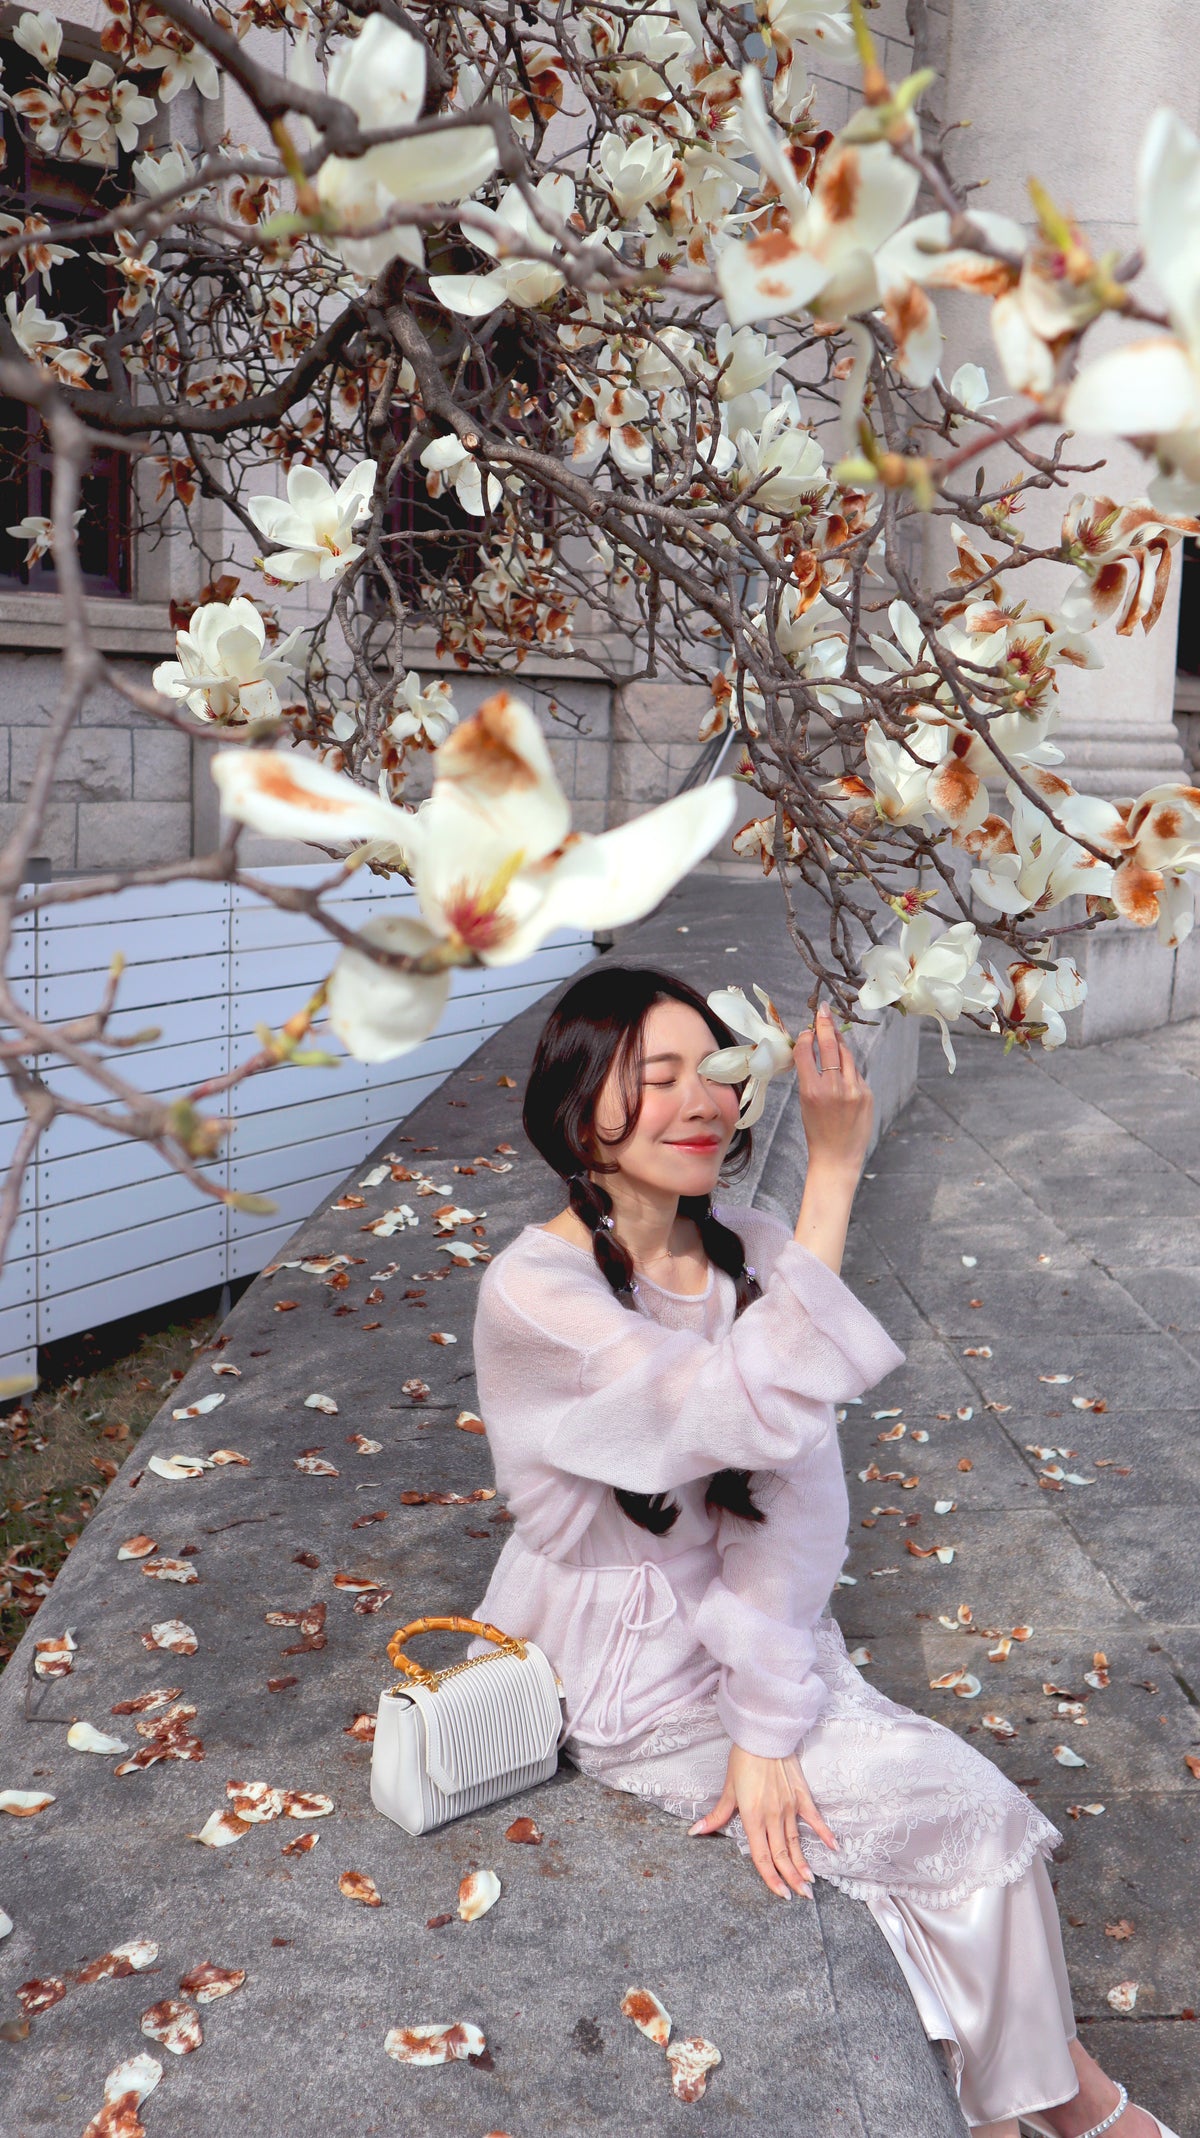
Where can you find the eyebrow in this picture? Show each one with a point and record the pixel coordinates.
(662, 1058)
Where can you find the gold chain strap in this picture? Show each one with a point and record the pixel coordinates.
(506, 1644)
(439, 1677)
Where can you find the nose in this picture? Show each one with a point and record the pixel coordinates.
(700, 1103)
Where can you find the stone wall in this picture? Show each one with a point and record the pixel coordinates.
(125, 784)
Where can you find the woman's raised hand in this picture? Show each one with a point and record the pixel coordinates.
(771, 1796)
(836, 1104)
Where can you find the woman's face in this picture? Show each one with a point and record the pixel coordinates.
(686, 1122)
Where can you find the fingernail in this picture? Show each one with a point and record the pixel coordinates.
(695, 1827)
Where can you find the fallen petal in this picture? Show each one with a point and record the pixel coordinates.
(322, 1403)
(138, 1547)
(355, 1885)
(426, 2045)
(40, 1993)
(691, 2061)
(173, 1635)
(478, 1892)
(170, 1570)
(1123, 1996)
(1066, 1757)
(313, 1466)
(83, 1737)
(255, 1802)
(130, 1959)
(220, 1828)
(175, 2024)
(649, 2016)
(23, 1803)
(300, 1846)
(206, 1982)
(52, 1657)
(306, 1804)
(524, 1830)
(201, 1407)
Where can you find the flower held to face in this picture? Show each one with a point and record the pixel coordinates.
(767, 1050)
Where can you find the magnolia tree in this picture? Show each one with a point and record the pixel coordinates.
(664, 355)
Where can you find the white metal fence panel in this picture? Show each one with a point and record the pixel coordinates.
(105, 1227)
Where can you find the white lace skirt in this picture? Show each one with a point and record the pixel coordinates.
(947, 1853)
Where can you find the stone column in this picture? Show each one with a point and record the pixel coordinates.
(1065, 92)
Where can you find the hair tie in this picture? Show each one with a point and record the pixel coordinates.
(750, 1270)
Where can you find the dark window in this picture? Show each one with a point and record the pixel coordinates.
(434, 539)
(1188, 658)
(82, 294)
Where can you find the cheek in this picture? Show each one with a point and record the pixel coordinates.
(727, 1101)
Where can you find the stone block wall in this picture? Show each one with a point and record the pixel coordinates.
(125, 784)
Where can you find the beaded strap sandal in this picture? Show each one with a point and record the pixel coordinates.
(1035, 2123)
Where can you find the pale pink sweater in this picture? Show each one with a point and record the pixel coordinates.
(578, 1395)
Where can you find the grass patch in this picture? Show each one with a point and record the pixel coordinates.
(61, 1446)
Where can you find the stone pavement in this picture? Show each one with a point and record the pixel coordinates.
(817, 2031)
(1029, 1232)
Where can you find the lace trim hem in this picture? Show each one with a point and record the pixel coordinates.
(1041, 1841)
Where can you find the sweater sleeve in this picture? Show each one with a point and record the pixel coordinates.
(757, 1616)
(618, 1398)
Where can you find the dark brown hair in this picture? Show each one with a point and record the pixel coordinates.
(598, 1023)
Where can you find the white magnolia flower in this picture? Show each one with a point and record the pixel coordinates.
(924, 775)
(494, 862)
(225, 670)
(380, 74)
(161, 173)
(315, 522)
(1034, 997)
(766, 1053)
(1029, 863)
(40, 339)
(788, 455)
(1150, 389)
(41, 37)
(1124, 555)
(425, 714)
(928, 976)
(789, 25)
(510, 230)
(129, 111)
(39, 533)
(635, 172)
(448, 461)
(921, 257)
(746, 363)
(970, 386)
(190, 68)
(823, 261)
(39, 255)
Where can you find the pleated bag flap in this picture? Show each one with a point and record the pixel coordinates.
(497, 1719)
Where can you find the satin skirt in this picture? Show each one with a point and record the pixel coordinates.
(945, 1851)
(989, 1980)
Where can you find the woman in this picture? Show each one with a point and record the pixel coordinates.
(658, 1378)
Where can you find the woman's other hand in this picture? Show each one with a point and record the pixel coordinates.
(836, 1104)
(837, 1108)
(772, 1797)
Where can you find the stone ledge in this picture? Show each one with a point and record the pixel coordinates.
(816, 2027)
(33, 622)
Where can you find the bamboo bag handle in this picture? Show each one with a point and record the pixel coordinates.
(405, 1663)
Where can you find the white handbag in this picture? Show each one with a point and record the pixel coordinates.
(447, 1742)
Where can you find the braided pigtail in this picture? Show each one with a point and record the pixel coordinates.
(729, 1489)
(593, 1205)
